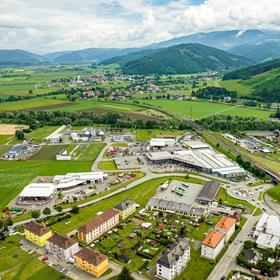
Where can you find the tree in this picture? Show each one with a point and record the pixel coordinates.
(125, 274)
(35, 214)
(75, 209)
(60, 195)
(30, 91)
(47, 211)
(59, 208)
(10, 222)
(19, 134)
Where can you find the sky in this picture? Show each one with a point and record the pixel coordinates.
(53, 25)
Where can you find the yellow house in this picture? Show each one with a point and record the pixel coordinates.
(92, 261)
(126, 208)
(37, 233)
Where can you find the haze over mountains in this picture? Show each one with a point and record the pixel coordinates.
(257, 45)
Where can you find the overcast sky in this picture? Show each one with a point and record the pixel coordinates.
(49, 25)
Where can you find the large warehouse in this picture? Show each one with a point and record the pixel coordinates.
(208, 192)
(201, 157)
(38, 192)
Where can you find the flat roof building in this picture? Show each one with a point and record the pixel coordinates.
(37, 191)
(208, 192)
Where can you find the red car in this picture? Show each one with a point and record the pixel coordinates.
(45, 258)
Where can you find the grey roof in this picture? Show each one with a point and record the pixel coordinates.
(124, 205)
(168, 205)
(197, 211)
(170, 256)
(209, 191)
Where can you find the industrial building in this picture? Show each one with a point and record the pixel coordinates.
(71, 180)
(198, 156)
(162, 142)
(16, 151)
(208, 192)
(37, 192)
(267, 231)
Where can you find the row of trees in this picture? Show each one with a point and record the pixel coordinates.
(214, 93)
(249, 167)
(37, 119)
(237, 123)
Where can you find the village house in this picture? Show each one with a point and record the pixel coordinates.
(37, 233)
(99, 225)
(126, 208)
(62, 246)
(92, 261)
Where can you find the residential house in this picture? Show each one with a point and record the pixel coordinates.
(62, 246)
(173, 260)
(226, 225)
(92, 261)
(212, 244)
(99, 225)
(37, 233)
(126, 208)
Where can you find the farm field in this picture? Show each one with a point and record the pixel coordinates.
(48, 152)
(34, 103)
(25, 266)
(5, 138)
(147, 134)
(202, 109)
(40, 133)
(15, 175)
(236, 85)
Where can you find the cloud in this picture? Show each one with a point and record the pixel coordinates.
(50, 25)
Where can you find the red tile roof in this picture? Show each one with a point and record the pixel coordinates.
(213, 238)
(226, 223)
(97, 221)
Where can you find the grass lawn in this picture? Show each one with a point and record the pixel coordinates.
(24, 266)
(107, 165)
(147, 134)
(48, 152)
(198, 268)
(140, 193)
(39, 134)
(199, 233)
(91, 151)
(274, 193)
(15, 175)
(227, 199)
(257, 212)
(5, 138)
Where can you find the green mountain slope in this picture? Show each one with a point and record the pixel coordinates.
(184, 59)
(263, 79)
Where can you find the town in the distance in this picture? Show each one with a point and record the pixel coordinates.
(155, 158)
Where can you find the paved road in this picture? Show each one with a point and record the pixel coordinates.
(228, 261)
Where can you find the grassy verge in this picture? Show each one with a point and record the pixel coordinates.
(229, 200)
(274, 193)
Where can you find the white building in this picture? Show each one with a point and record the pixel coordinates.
(173, 260)
(162, 142)
(226, 225)
(37, 192)
(62, 247)
(71, 180)
(63, 156)
(267, 231)
(212, 244)
(56, 138)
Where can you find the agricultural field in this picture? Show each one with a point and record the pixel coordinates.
(17, 264)
(202, 109)
(15, 175)
(39, 103)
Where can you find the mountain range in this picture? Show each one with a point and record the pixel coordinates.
(257, 45)
(180, 59)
